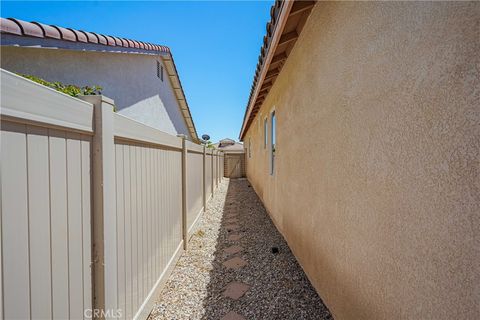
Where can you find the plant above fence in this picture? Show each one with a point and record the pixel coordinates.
(70, 89)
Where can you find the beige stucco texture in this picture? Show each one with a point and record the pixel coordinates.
(376, 185)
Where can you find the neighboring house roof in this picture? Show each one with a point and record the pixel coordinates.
(286, 24)
(51, 36)
(229, 145)
(40, 30)
(226, 142)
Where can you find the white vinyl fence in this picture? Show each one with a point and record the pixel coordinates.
(95, 208)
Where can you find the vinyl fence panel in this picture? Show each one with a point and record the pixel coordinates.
(222, 166)
(46, 249)
(148, 187)
(194, 184)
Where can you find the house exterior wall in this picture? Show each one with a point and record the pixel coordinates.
(130, 79)
(376, 182)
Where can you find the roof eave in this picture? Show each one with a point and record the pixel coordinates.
(277, 32)
(287, 20)
(180, 95)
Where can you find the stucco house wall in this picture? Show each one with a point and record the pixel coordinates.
(130, 79)
(377, 185)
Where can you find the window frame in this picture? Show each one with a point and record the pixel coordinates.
(249, 148)
(265, 133)
(273, 141)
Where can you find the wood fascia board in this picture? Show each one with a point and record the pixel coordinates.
(179, 94)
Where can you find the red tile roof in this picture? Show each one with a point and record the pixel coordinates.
(40, 30)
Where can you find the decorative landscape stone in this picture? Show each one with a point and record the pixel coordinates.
(232, 316)
(234, 237)
(235, 290)
(232, 227)
(233, 249)
(235, 263)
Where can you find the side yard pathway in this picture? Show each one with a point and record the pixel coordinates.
(238, 267)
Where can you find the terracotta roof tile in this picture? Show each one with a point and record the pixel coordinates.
(10, 26)
(110, 41)
(29, 29)
(81, 37)
(118, 41)
(124, 42)
(101, 38)
(49, 31)
(66, 34)
(90, 37)
(40, 30)
(130, 43)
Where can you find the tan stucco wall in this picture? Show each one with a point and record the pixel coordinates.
(377, 182)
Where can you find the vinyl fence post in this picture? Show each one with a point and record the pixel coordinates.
(212, 162)
(204, 179)
(104, 224)
(220, 163)
(184, 191)
(216, 168)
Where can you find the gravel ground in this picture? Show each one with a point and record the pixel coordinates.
(278, 288)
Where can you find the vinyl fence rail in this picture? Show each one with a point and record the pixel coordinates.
(96, 208)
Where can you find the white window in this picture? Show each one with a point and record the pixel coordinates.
(265, 133)
(272, 143)
(249, 147)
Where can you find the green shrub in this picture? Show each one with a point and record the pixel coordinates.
(210, 145)
(69, 89)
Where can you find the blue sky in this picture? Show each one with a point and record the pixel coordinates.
(215, 45)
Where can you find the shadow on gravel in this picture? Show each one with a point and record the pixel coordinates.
(279, 288)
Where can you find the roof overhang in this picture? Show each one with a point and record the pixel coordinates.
(179, 94)
(287, 21)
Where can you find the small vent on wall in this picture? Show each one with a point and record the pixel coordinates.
(159, 71)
